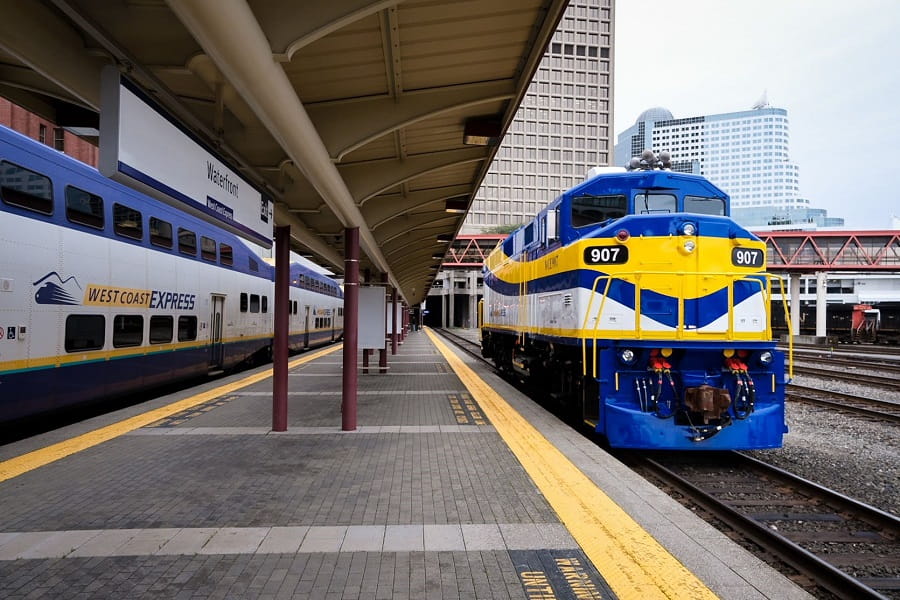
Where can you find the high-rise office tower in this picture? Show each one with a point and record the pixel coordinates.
(745, 153)
(563, 126)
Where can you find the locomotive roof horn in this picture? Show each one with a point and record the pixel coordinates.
(648, 161)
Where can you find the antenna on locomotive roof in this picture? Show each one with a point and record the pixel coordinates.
(649, 161)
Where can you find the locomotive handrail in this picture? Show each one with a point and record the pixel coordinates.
(679, 332)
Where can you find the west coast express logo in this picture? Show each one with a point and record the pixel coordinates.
(54, 290)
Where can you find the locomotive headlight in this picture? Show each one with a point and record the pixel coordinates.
(626, 355)
(688, 229)
(689, 246)
(766, 358)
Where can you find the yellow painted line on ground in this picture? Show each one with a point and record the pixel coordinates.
(631, 561)
(38, 458)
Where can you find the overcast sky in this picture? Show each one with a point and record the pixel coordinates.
(833, 64)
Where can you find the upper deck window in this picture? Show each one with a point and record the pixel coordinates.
(160, 233)
(704, 206)
(207, 248)
(127, 222)
(226, 254)
(187, 241)
(646, 204)
(25, 189)
(84, 207)
(590, 210)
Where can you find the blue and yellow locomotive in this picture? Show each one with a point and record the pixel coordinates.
(637, 302)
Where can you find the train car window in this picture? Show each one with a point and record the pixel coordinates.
(226, 254)
(84, 207)
(26, 189)
(646, 204)
(187, 241)
(84, 332)
(187, 328)
(127, 222)
(254, 303)
(207, 248)
(128, 330)
(590, 210)
(529, 234)
(265, 304)
(160, 233)
(161, 329)
(244, 303)
(704, 206)
(253, 266)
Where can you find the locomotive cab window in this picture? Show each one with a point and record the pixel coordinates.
(254, 303)
(127, 222)
(704, 206)
(244, 302)
(84, 332)
(84, 207)
(25, 189)
(648, 204)
(187, 241)
(160, 233)
(590, 210)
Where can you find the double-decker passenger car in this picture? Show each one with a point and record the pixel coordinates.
(635, 300)
(105, 291)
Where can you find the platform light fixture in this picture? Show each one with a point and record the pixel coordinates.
(482, 131)
(444, 238)
(437, 256)
(459, 206)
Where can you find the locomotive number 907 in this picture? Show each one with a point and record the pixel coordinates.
(747, 257)
(606, 255)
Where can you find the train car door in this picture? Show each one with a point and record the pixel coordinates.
(216, 343)
(306, 330)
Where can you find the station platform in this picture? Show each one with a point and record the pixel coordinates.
(454, 485)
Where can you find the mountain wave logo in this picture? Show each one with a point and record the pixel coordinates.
(56, 290)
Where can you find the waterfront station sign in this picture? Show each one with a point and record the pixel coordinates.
(147, 149)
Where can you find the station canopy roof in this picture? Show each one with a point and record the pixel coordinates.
(381, 115)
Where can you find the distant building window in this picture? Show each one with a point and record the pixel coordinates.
(84, 207)
(42, 134)
(59, 139)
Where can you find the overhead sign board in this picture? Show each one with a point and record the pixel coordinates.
(144, 148)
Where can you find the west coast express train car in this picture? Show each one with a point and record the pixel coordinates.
(636, 301)
(105, 291)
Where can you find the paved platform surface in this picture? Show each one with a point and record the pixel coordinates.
(424, 500)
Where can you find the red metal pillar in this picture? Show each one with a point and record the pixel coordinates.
(280, 343)
(382, 353)
(395, 316)
(351, 328)
(367, 352)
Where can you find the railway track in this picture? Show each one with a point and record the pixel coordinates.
(850, 549)
(886, 382)
(880, 410)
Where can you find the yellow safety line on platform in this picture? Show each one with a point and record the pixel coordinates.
(38, 458)
(631, 561)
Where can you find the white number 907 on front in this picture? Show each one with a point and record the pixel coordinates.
(606, 255)
(748, 257)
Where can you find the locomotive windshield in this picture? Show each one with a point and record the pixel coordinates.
(646, 204)
(704, 206)
(590, 210)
